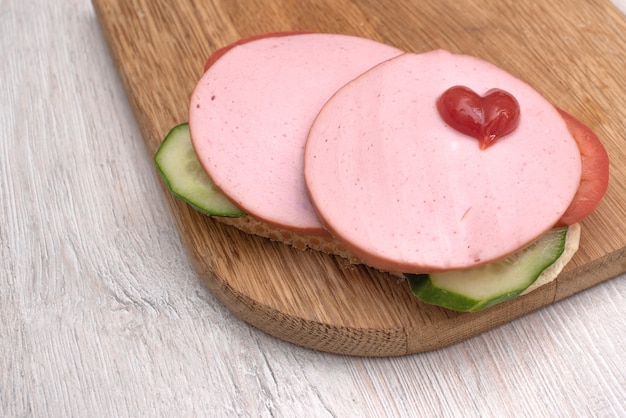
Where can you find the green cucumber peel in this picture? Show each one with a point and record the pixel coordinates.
(184, 176)
(480, 287)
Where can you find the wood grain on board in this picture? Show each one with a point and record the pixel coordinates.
(572, 51)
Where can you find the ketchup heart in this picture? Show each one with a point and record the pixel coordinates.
(486, 118)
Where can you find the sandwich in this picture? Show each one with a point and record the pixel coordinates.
(436, 167)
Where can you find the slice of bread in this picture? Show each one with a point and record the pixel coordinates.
(329, 245)
(323, 243)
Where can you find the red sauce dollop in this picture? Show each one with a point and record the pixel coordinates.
(486, 118)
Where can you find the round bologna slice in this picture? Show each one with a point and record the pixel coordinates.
(252, 109)
(407, 193)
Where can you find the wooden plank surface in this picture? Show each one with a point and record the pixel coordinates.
(572, 52)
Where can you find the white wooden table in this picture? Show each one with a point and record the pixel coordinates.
(101, 313)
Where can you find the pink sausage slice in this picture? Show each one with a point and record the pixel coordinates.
(407, 193)
(251, 111)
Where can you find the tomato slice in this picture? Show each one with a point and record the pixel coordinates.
(594, 179)
(221, 51)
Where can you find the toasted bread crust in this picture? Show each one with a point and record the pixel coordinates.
(329, 245)
(301, 241)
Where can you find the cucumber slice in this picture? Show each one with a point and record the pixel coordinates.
(178, 165)
(479, 287)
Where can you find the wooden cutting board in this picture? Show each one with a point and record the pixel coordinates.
(573, 51)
